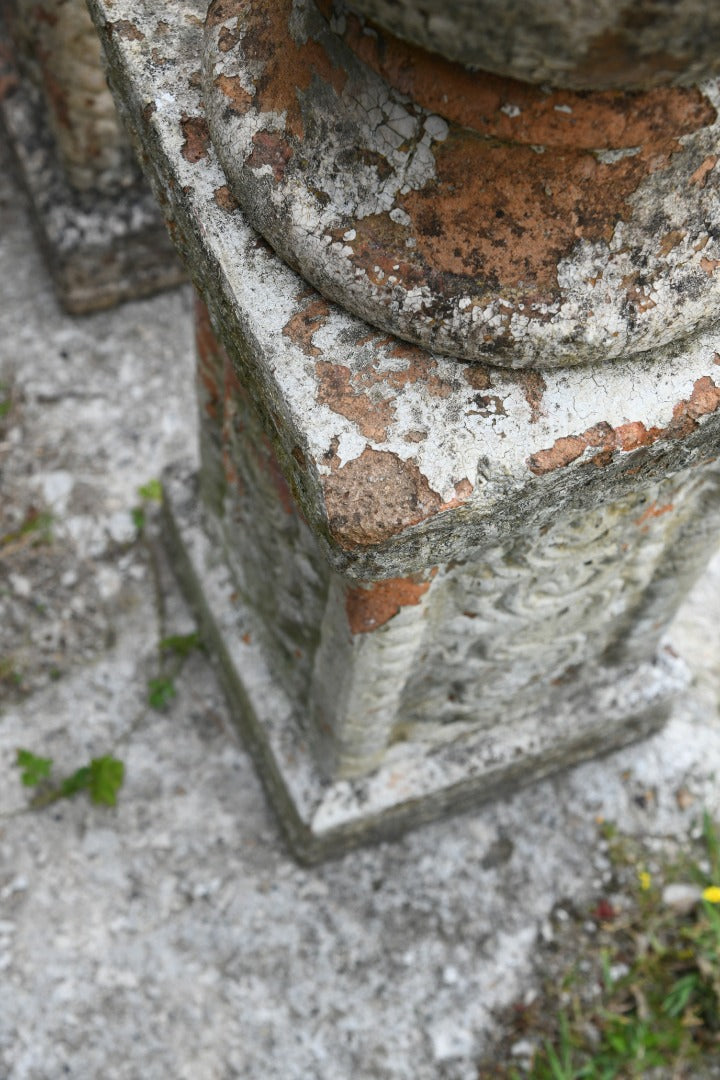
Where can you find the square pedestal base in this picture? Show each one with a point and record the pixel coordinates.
(416, 782)
(101, 249)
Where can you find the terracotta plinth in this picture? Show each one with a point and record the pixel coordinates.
(97, 222)
(425, 581)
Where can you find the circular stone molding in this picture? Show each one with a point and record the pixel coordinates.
(471, 214)
(580, 44)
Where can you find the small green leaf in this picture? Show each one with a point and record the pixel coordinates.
(78, 781)
(161, 691)
(152, 491)
(106, 778)
(712, 843)
(181, 644)
(34, 768)
(37, 522)
(34, 522)
(8, 671)
(138, 516)
(679, 997)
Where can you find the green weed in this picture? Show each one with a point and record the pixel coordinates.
(101, 778)
(661, 1016)
(181, 644)
(9, 674)
(5, 400)
(35, 529)
(34, 769)
(152, 491)
(161, 691)
(174, 651)
(149, 493)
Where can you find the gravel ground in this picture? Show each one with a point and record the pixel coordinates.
(173, 936)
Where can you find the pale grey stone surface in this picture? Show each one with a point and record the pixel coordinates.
(174, 937)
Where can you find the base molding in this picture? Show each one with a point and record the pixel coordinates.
(417, 782)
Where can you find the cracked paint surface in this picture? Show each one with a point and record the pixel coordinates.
(468, 213)
(704, 399)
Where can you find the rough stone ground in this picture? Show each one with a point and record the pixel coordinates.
(173, 937)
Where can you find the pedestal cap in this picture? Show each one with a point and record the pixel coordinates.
(469, 213)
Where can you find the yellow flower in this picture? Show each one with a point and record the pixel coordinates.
(712, 894)
(645, 880)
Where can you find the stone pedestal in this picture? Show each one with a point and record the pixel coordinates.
(425, 580)
(97, 222)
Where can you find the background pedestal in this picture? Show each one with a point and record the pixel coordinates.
(101, 246)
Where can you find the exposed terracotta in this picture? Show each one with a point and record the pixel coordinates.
(612, 58)
(700, 175)
(522, 177)
(227, 405)
(546, 117)
(288, 67)
(371, 606)
(653, 511)
(477, 376)
(305, 322)
(197, 138)
(210, 361)
(532, 383)
(374, 497)
(586, 45)
(228, 39)
(420, 367)
(270, 149)
(510, 214)
(671, 240)
(238, 98)
(463, 491)
(489, 211)
(225, 199)
(124, 28)
(335, 390)
(534, 386)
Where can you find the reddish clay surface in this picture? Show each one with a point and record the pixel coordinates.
(197, 138)
(371, 606)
